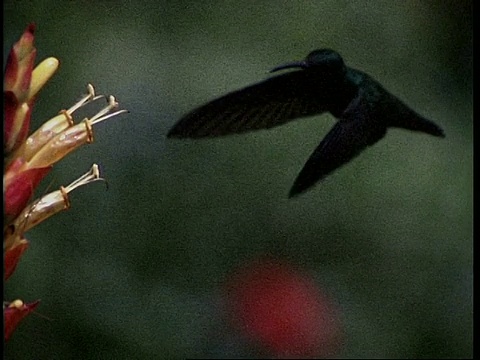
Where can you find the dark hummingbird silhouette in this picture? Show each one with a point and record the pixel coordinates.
(363, 107)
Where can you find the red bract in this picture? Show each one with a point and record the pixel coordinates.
(12, 256)
(19, 67)
(14, 313)
(283, 310)
(19, 188)
(17, 97)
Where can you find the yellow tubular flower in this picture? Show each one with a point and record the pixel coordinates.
(49, 205)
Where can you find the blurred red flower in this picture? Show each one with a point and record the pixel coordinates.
(283, 310)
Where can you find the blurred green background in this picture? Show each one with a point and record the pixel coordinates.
(136, 271)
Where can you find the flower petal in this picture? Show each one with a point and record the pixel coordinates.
(41, 74)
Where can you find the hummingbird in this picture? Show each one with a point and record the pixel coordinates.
(322, 82)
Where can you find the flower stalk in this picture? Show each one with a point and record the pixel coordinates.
(29, 158)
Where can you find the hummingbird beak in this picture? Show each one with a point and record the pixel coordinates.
(295, 64)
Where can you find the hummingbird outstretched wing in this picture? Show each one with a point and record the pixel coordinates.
(269, 103)
(355, 130)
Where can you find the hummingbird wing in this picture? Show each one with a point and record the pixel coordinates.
(356, 129)
(269, 103)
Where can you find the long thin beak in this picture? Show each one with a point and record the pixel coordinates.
(294, 64)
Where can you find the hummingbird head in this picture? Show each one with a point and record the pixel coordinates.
(324, 60)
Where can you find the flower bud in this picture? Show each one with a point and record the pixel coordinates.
(15, 312)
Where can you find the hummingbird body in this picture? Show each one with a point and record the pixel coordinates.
(363, 107)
